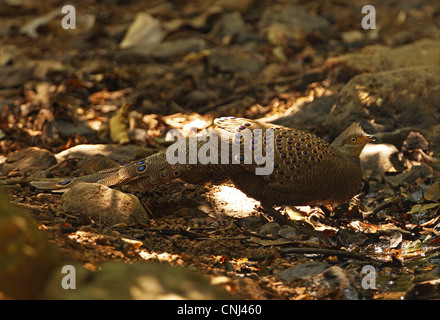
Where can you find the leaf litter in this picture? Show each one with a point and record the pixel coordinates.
(96, 96)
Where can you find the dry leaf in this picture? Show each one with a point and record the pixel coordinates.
(433, 193)
(118, 128)
(276, 242)
(423, 207)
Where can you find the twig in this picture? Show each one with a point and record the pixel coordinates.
(383, 205)
(330, 252)
(162, 231)
(261, 236)
(284, 220)
(191, 234)
(29, 206)
(225, 238)
(240, 92)
(20, 181)
(221, 102)
(228, 227)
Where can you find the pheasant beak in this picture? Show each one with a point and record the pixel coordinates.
(368, 138)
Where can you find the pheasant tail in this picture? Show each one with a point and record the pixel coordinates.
(143, 174)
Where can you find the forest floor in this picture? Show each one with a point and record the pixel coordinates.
(59, 88)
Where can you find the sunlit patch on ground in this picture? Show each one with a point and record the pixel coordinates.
(227, 200)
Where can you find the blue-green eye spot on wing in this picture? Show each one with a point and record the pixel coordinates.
(65, 182)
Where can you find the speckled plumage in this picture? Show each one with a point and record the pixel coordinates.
(307, 169)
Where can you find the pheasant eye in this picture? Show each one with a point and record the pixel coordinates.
(353, 140)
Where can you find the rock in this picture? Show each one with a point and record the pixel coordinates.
(331, 281)
(28, 161)
(93, 164)
(352, 36)
(418, 195)
(144, 31)
(276, 69)
(140, 281)
(375, 159)
(119, 153)
(270, 228)
(377, 58)
(288, 232)
(241, 6)
(162, 51)
(229, 25)
(102, 204)
(395, 137)
(15, 75)
(387, 100)
(341, 283)
(295, 16)
(67, 129)
(424, 290)
(431, 162)
(414, 142)
(232, 60)
(177, 48)
(251, 222)
(199, 98)
(45, 67)
(7, 53)
(198, 22)
(190, 213)
(289, 24)
(26, 256)
(303, 270)
(410, 176)
(308, 115)
(433, 136)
